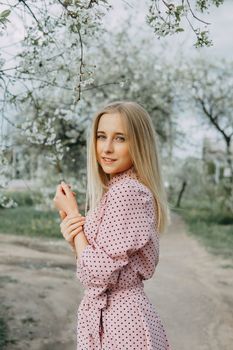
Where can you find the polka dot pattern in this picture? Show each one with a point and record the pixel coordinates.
(123, 250)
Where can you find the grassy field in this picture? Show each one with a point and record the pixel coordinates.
(211, 227)
(26, 219)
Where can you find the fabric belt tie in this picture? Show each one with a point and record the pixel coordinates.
(93, 309)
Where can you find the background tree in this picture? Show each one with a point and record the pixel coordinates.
(168, 18)
(208, 89)
(50, 88)
(136, 72)
(36, 89)
(186, 181)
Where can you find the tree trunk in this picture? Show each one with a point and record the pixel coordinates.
(184, 184)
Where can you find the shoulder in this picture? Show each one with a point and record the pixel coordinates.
(129, 188)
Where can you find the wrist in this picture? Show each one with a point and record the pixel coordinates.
(74, 212)
(75, 237)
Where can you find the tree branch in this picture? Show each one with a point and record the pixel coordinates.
(193, 14)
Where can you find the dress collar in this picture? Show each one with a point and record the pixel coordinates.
(130, 172)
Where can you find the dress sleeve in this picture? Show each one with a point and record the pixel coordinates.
(127, 225)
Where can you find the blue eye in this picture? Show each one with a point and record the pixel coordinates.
(118, 137)
(121, 138)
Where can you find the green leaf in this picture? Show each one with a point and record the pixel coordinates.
(179, 30)
(5, 13)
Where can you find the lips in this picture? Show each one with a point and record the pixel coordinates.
(108, 160)
(105, 158)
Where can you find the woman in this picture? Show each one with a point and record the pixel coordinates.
(117, 245)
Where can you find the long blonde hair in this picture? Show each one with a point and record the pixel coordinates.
(143, 149)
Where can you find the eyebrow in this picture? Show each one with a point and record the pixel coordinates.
(117, 133)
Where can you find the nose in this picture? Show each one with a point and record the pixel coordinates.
(108, 146)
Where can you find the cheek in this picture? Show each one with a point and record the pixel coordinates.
(123, 150)
(98, 148)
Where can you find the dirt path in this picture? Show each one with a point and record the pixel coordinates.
(191, 289)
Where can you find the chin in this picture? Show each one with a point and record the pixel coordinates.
(109, 171)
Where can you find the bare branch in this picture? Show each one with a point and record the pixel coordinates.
(193, 14)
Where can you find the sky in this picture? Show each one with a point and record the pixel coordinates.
(221, 31)
(221, 28)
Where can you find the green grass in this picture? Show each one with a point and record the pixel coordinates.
(24, 198)
(5, 338)
(3, 333)
(27, 221)
(211, 227)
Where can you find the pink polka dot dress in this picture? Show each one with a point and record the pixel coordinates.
(115, 313)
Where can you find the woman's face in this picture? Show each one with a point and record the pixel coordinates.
(112, 142)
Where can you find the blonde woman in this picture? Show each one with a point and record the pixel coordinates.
(117, 244)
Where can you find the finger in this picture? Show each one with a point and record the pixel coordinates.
(68, 234)
(62, 214)
(75, 230)
(66, 188)
(59, 188)
(75, 220)
(75, 225)
(66, 224)
(74, 233)
(70, 217)
(59, 191)
(71, 224)
(69, 227)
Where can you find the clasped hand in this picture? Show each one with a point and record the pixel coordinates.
(71, 226)
(72, 220)
(65, 200)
